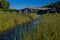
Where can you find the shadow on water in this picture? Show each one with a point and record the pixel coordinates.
(18, 31)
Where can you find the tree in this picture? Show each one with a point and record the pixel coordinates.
(5, 5)
(54, 5)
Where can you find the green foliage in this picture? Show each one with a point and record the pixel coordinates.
(5, 5)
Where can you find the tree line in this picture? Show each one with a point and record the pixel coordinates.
(53, 5)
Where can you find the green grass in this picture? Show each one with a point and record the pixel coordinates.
(10, 19)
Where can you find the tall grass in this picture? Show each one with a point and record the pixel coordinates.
(10, 19)
(49, 27)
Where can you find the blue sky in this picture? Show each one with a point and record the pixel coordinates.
(19, 4)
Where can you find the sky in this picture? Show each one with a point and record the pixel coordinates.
(20, 4)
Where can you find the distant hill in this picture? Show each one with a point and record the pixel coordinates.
(53, 5)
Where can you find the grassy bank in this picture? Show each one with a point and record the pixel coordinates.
(49, 27)
(10, 19)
